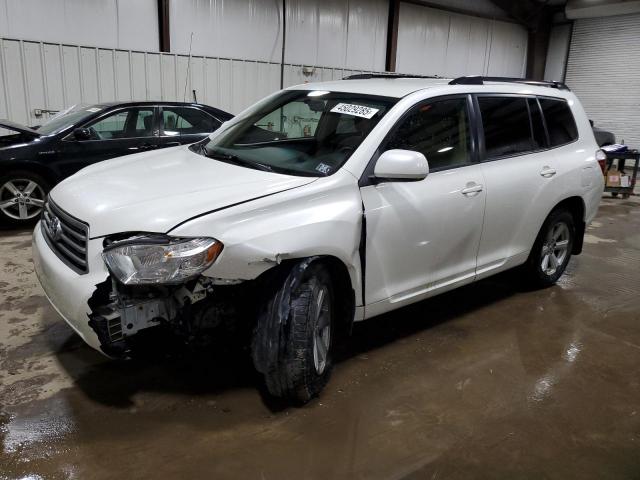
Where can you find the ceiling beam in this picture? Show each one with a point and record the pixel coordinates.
(392, 36)
(163, 26)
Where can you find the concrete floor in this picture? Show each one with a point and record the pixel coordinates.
(488, 381)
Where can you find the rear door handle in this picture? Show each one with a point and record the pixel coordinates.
(472, 189)
(172, 144)
(547, 172)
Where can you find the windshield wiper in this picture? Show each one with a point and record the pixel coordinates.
(234, 159)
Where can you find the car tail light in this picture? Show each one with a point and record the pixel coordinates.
(601, 157)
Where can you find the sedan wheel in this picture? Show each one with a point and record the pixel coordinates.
(21, 199)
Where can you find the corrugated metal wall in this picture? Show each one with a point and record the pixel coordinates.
(604, 72)
(37, 75)
(333, 33)
(436, 42)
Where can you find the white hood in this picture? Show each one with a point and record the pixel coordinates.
(155, 191)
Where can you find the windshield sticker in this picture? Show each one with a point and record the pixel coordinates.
(323, 168)
(355, 110)
(93, 110)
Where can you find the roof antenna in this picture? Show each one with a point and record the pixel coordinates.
(186, 80)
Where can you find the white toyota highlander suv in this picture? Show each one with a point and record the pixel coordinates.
(322, 205)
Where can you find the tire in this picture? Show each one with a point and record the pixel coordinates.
(22, 196)
(551, 251)
(292, 340)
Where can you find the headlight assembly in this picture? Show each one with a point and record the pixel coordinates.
(149, 260)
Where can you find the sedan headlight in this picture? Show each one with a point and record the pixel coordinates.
(160, 259)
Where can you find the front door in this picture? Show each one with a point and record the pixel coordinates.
(422, 237)
(120, 132)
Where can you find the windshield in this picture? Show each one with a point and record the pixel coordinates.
(66, 118)
(298, 132)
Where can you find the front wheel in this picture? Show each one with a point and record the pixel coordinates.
(551, 252)
(292, 341)
(22, 197)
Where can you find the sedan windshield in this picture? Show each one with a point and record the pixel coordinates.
(66, 118)
(298, 132)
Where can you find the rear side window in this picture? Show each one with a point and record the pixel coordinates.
(507, 127)
(186, 121)
(560, 122)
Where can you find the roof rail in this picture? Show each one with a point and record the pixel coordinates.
(479, 80)
(366, 76)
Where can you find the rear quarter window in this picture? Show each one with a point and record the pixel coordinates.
(560, 122)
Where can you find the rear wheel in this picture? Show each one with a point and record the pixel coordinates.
(22, 196)
(292, 342)
(552, 250)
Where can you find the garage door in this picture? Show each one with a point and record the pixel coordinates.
(604, 72)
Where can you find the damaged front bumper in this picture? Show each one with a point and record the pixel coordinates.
(107, 314)
(68, 291)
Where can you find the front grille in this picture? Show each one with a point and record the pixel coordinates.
(67, 236)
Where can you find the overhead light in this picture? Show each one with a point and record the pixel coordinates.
(317, 93)
(445, 149)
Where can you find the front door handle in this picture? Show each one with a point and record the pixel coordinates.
(472, 189)
(547, 172)
(147, 146)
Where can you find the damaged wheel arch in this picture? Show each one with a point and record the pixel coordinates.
(282, 344)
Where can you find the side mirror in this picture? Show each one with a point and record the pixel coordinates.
(82, 134)
(401, 165)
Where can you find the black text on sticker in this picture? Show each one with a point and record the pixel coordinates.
(356, 110)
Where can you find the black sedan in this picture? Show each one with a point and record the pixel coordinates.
(33, 160)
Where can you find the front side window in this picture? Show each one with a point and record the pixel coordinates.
(507, 128)
(439, 130)
(298, 132)
(130, 123)
(186, 121)
(560, 122)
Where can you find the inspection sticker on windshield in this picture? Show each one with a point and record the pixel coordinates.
(356, 110)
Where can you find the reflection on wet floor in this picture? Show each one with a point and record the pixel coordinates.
(491, 380)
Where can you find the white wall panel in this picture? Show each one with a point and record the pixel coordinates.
(436, 42)
(59, 76)
(334, 33)
(554, 68)
(129, 24)
(227, 28)
(479, 7)
(508, 50)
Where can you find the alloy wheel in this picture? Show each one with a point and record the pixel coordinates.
(322, 329)
(555, 248)
(21, 199)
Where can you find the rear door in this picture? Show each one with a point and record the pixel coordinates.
(118, 132)
(181, 125)
(519, 170)
(423, 236)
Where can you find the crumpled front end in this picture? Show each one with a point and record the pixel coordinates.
(106, 313)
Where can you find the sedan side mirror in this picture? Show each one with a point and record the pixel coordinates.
(401, 165)
(82, 134)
